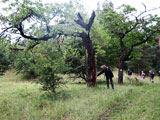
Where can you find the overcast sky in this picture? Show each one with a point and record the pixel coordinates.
(91, 5)
(150, 4)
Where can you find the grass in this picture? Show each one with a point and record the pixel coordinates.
(22, 100)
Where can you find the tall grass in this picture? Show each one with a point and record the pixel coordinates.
(22, 100)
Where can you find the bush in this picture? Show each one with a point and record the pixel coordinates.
(48, 79)
(44, 63)
(4, 61)
(49, 65)
(75, 60)
(25, 64)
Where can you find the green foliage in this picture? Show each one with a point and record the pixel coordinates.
(132, 31)
(127, 9)
(21, 100)
(49, 63)
(4, 56)
(105, 48)
(118, 23)
(4, 62)
(24, 64)
(40, 19)
(75, 58)
(148, 60)
(44, 63)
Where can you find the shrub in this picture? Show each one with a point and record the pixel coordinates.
(44, 63)
(24, 64)
(4, 61)
(49, 65)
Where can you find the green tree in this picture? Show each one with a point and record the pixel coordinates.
(40, 22)
(148, 59)
(37, 21)
(49, 66)
(104, 51)
(44, 63)
(128, 31)
(75, 58)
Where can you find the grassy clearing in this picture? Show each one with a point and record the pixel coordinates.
(21, 100)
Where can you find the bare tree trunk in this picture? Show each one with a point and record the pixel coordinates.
(91, 63)
(94, 75)
(87, 42)
(120, 71)
(121, 62)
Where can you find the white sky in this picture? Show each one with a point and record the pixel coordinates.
(134, 3)
(91, 5)
(150, 4)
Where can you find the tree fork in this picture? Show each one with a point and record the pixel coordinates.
(87, 42)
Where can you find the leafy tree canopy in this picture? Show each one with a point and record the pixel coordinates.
(38, 21)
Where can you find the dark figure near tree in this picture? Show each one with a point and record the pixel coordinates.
(151, 75)
(108, 74)
(129, 72)
(159, 73)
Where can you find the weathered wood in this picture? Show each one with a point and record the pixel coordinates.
(81, 22)
(87, 42)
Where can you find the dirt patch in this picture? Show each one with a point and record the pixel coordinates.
(67, 116)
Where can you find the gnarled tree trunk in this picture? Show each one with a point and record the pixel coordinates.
(91, 63)
(87, 42)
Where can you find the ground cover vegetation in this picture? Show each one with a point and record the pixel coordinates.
(24, 100)
(50, 55)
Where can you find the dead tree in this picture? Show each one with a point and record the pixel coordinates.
(87, 42)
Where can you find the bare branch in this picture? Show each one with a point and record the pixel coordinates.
(144, 6)
(44, 38)
(26, 17)
(136, 17)
(147, 11)
(81, 22)
(5, 30)
(91, 20)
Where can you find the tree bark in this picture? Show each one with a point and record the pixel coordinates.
(87, 42)
(120, 71)
(91, 63)
(121, 61)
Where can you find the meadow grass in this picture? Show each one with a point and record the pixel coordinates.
(23, 100)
